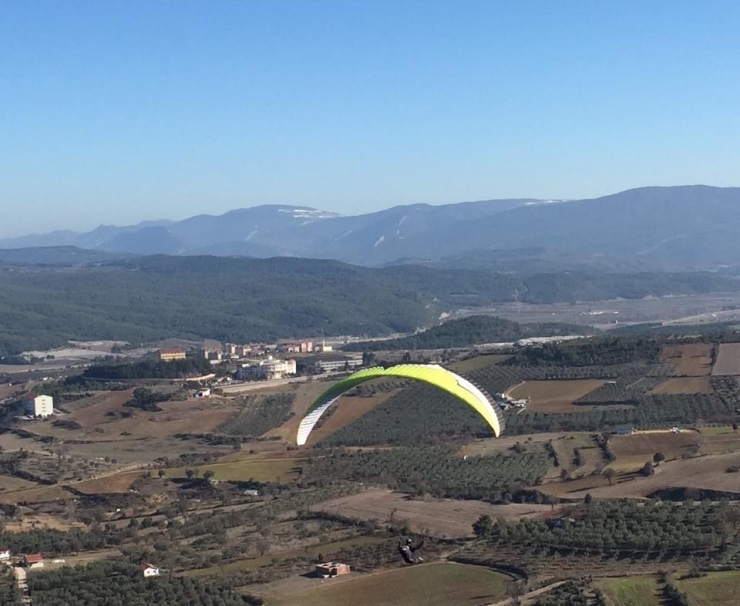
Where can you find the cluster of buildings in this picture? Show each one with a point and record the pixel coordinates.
(257, 361)
(269, 368)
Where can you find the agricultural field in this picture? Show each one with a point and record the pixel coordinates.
(478, 362)
(258, 414)
(719, 440)
(443, 518)
(714, 589)
(632, 451)
(632, 591)
(325, 548)
(11, 483)
(109, 484)
(707, 472)
(689, 359)
(349, 411)
(488, 446)
(728, 360)
(104, 417)
(282, 470)
(554, 396)
(305, 394)
(687, 385)
(41, 494)
(577, 454)
(428, 585)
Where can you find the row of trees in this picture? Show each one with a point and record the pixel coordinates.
(120, 584)
(624, 526)
(436, 471)
(259, 414)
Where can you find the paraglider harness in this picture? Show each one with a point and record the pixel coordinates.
(409, 552)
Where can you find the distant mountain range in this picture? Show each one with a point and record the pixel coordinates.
(673, 228)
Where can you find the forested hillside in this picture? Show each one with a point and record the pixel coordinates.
(151, 298)
(472, 330)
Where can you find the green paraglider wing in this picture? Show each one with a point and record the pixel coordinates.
(432, 374)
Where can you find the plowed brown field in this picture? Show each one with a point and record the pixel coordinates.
(690, 359)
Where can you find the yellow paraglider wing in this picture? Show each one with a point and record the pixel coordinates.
(432, 374)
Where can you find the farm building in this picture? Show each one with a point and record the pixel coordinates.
(174, 353)
(34, 560)
(149, 570)
(203, 393)
(4, 554)
(38, 406)
(332, 569)
(624, 430)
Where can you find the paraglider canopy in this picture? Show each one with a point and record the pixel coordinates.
(432, 374)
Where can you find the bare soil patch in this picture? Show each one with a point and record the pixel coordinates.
(672, 445)
(689, 360)
(114, 483)
(554, 396)
(681, 385)
(444, 518)
(728, 360)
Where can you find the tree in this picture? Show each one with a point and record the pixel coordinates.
(588, 498)
(658, 457)
(263, 546)
(483, 526)
(647, 469)
(189, 473)
(734, 427)
(609, 473)
(161, 473)
(208, 475)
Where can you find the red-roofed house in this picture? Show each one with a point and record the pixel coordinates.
(33, 560)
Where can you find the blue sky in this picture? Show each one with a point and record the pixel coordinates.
(116, 112)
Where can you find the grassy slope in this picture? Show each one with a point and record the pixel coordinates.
(633, 591)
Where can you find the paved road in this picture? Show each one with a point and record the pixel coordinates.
(20, 579)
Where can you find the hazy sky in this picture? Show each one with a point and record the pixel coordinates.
(116, 112)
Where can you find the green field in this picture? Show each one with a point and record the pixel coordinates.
(430, 585)
(260, 470)
(715, 589)
(633, 591)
